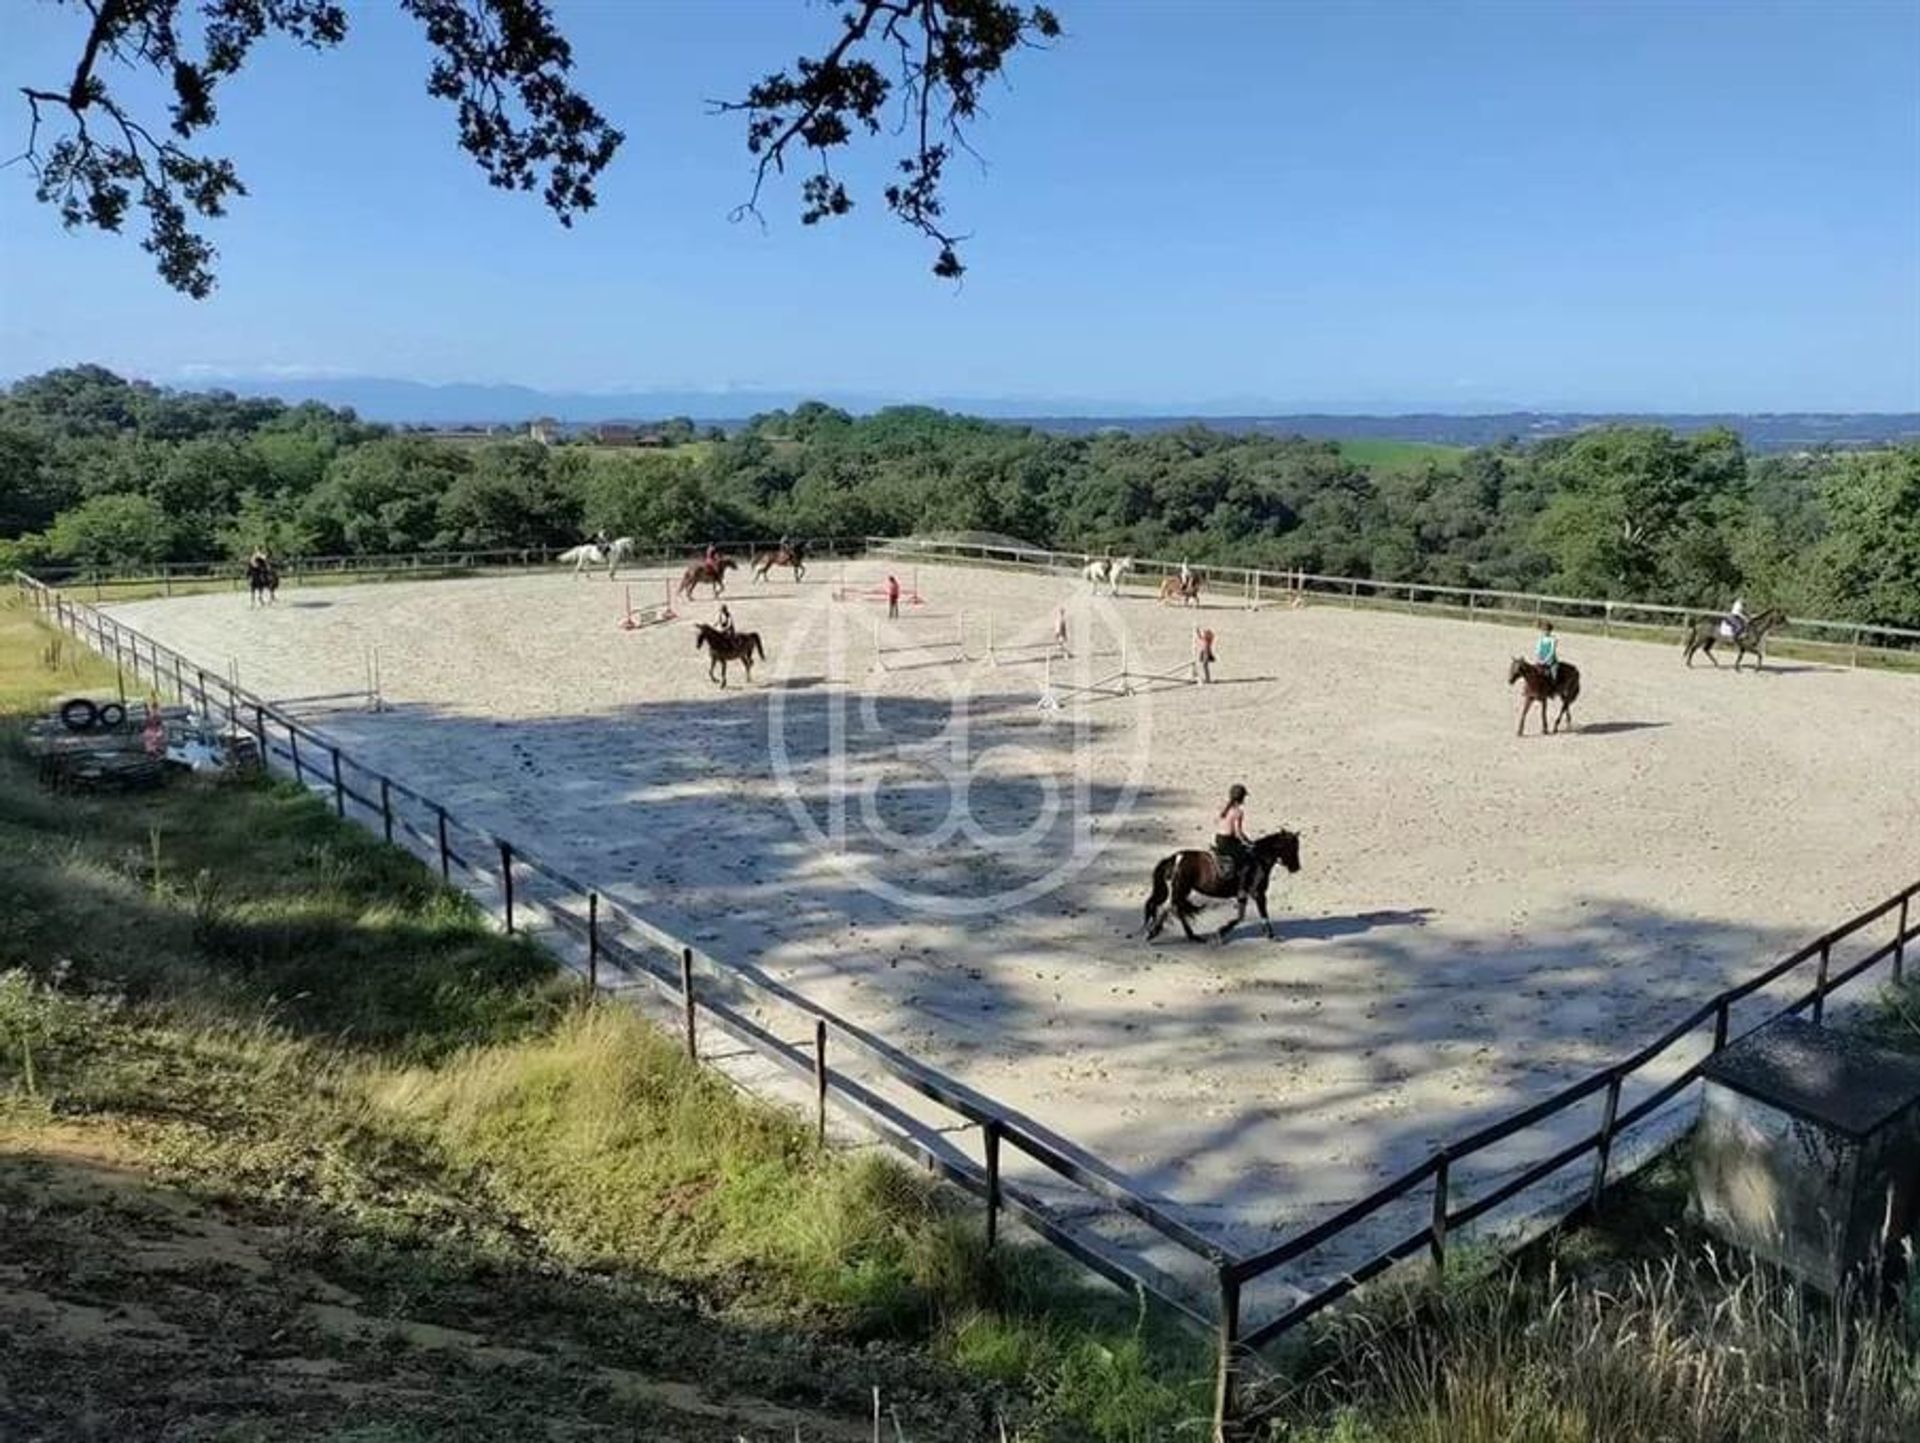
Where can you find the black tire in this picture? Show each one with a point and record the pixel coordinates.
(79, 715)
(112, 715)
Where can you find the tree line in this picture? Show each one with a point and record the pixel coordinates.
(96, 470)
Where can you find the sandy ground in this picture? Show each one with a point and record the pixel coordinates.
(929, 853)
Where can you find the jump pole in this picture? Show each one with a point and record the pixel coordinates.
(653, 613)
(376, 697)
(1056, 645)
(957, 643)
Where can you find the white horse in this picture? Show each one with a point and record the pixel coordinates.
(581, 557)
(1109, 572)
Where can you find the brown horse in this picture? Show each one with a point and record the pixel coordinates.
(725, 646)
(1701, 635)
(714, 576)
(1562, 685)
(1177, 879)
(788, 556)
(1187, 593)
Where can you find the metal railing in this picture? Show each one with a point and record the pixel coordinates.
(1258, 586)
(701, 987)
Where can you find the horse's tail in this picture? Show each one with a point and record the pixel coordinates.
(1162, 887)
(759, 646)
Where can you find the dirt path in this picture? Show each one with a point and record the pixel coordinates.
(131, 1310)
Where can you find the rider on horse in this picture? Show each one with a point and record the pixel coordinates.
(724, 620)
(712, 558)
(1231, 848)
(1735, 621)
(1546, 652)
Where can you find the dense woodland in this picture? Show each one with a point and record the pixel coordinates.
(97, 470)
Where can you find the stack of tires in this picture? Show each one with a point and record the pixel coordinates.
(83, 714)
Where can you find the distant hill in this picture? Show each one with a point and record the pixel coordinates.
(376, 398)
(1762, 432)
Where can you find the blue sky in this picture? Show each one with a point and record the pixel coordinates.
(1647, 206)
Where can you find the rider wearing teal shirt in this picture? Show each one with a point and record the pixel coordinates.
(1546, 651)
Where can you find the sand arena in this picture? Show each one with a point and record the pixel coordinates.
(1479, 918)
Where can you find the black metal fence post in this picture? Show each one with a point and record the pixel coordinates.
(593, 941)
(820, 1080)
(260, 735)
(386, 810)
(992, 1141)
(506, 881)
(1820, 984)
(293, 749)
(1226, 1391)
(1437, 1245)
(1900, 944)
(1720, 1025)
(446, 874)
(340, 791)
(686, 1001)
(1604, 1153)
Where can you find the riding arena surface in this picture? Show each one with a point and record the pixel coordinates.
(1479, 919)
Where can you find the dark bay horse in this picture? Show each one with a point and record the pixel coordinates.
(792, 557)
(1543, 687)
(725, 646)
(263, 583)
(1701, 635)
(714, 576)
(1179, 878)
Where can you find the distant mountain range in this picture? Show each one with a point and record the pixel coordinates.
(416, 403)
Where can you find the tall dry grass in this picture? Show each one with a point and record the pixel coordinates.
(1703, 1347)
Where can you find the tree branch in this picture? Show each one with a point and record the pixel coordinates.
(943, 52)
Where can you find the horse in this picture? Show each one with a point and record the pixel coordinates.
(1108, 570)
(1701, 636)
(618, 550)
(1543, 687)
(725, 646)
(714, 576)
(262, 578)
(1176, 879)
(1187, 593)
(582, 556)
(788, 556)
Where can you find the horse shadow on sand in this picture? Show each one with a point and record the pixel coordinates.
(1614, 728)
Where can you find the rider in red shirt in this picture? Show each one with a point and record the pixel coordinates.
(893, 598)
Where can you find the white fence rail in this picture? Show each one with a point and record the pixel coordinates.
(1857, 641)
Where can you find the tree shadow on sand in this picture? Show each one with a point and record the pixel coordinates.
(1286, 1081)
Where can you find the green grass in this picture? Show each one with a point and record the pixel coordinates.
(1382, 455)
(266, 1018)
(37, 664)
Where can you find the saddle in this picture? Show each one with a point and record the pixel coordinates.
(1226, 865)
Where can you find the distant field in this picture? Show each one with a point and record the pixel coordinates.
(1380, 454)
(689, 452)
